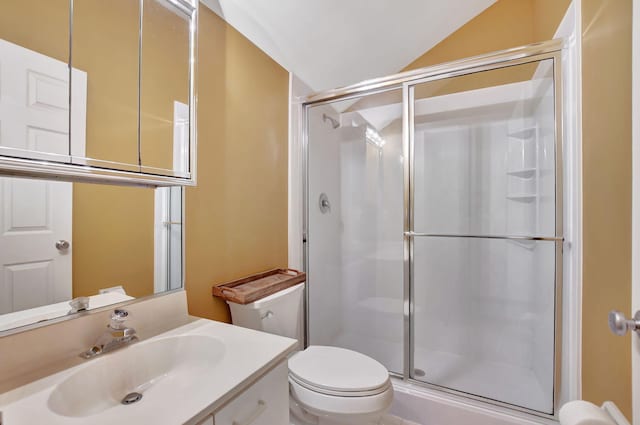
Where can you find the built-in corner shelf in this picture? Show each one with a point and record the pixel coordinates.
(523, 134)
(524, 178)
(522, 197)
(524, 173)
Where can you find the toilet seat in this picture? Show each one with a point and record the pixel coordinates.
(324, 404)
(332, 380)
(338, 392)
(338, 371)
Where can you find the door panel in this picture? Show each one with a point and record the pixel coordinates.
(34, 215)
(35, 98)
(484, 318)
(27, 285)
(34, 106)
(484, 287)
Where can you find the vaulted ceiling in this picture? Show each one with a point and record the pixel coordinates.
(332, 43)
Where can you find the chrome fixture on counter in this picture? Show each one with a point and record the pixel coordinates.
(117, 335)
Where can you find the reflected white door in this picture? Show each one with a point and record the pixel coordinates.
(34, 216)
(34, 105)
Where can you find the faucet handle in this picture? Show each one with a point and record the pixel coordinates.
(118, 317)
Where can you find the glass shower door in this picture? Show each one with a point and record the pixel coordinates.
(484, 233)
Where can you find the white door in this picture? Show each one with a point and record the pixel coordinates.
(34, 105)
(34, 216)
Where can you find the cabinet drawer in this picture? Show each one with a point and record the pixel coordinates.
(264, 403)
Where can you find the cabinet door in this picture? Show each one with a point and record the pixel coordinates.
(34, 79)
(105, 46)
(265, 403)
(165, 88)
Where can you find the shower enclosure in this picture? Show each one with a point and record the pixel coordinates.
(433, 223)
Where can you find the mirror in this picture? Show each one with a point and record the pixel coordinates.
(114, 97)
(105, 49)
(62, 240)
(164, 95)
(34, 82)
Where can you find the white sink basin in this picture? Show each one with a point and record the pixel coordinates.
(151, 368)
(183, 375)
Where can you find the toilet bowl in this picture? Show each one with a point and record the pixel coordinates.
(327, 385)
(331, 385)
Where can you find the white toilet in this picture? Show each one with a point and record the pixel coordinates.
(327, 385)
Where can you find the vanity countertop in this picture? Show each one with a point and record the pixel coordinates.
(244, 355)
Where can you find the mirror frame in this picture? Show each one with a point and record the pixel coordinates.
(92, 170)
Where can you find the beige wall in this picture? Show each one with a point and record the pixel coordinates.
(51, 18)
(236, 220)
(505, 24)
(113, 239)
(105, 46)
(606, 147)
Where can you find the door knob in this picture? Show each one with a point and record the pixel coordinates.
(62, 245)
(620, 325)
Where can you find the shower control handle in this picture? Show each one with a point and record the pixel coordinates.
(324, 204)
(620, 325)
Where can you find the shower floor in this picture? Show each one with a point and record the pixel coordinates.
(497, 381)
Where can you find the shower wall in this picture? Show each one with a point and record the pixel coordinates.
(325, 259)
(372, 246)
(356, 248)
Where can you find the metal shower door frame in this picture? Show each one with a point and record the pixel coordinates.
(549, 50)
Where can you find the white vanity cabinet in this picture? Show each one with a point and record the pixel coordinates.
(266, 402)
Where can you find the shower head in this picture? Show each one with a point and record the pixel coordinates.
(334, 122)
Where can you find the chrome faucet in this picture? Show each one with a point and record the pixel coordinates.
(116, 336)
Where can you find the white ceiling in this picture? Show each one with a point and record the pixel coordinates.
(332, 43)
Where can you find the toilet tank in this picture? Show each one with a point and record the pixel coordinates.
(280, 313)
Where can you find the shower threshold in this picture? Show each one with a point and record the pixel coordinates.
(495, 381)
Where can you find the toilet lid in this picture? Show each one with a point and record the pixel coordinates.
(337, 369)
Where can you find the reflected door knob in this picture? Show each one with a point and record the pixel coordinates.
(62, 245)
(620, 325)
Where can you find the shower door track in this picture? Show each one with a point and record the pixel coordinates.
(511, 57)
